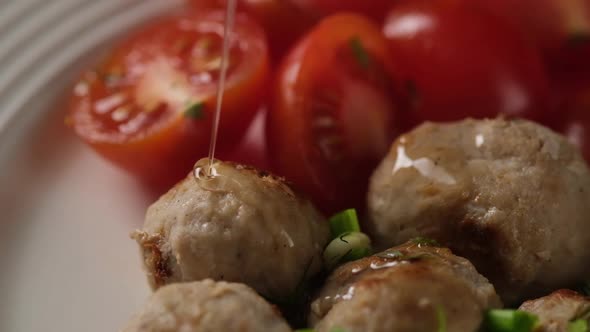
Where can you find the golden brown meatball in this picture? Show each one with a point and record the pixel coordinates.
(511, 196)
(242, 226)
(409, 288)
(557, 309)
(207, 306)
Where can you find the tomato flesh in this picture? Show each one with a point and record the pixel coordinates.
(457, 61)
(332, 117)
(149, 105)
(560, 28)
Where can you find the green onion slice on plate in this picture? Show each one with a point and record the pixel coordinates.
(344, 222)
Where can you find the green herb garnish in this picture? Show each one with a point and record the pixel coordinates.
(347, 247)
(195, 111)
(344, 222)
(359, 52)
(578, 325)
(441, 318)
(509, 320)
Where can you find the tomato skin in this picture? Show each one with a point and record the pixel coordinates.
(282, 20)
(458, 61)
(156, 76)
(375, 9)
(318, 101)
(575, 109)
(560, 28)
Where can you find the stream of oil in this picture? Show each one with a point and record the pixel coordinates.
(230, 12)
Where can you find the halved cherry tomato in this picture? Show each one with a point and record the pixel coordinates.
(332, 117)
(458, 61)
(376, 9)
(149, 105)
(282, 21)
(575, 107)
(561, 28)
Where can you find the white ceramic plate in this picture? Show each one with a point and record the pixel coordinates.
(66, 261)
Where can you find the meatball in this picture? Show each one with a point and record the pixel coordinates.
(207, 306)
(412, 287)
(511, 196)
(557, 309)
(242, 225)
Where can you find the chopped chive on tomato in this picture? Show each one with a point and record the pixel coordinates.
(441, 318)
(360, 53)
(425, 242)
(344, 222)
(347, 247)
(194, 111)
(509, 320)
(578, 325)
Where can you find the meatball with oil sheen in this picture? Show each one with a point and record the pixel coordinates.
(511, 196)
(242, 225)
(205, 306)
(558, 309)
(410, 288)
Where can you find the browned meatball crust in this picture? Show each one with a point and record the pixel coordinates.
(557, 309)
(404, 289)
(511, 196)
(207, 306)
(242, 226)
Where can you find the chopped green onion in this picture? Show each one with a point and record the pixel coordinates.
(344, 222)
(347, 247)
(195, 111)
(579, 325)
(441, 318)
(425, 242)
(508, 320)
(360, 53)
(337, 329)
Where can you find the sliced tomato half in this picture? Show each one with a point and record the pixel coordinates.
(333, 114)
(149, 105)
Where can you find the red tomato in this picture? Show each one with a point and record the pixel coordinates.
(282, 21)
(332, 118)
(252, 148)
(149, 105)
(460, 62)
(373, 8)
(561, 28)
(576, 107)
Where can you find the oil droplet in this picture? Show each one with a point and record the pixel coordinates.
(383, 265)
(479, 140)
(205, 170)
(425, 166)
(227, 29)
